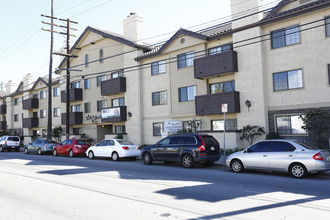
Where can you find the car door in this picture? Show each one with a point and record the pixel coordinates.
(108, 148)
(256, 156)
(172, 150)
(158, 151)
(33, 145)
(98, 149)
(281, 154)
(64, 147)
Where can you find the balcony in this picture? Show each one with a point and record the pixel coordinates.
(113, 86)
(30, 103)
(211, 104)
(75, 95)
(76, 118)
(114, 114)
(30, 122)
(215, 65)
(3, 109)
(3, 125)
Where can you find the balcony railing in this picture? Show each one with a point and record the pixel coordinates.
(3, 125)
(211, 104)
(114, 114)
(30, 103)
(75, 95)
(76, 118)
(3, 109)
(113, 86)
(31, 122)
(215, 65)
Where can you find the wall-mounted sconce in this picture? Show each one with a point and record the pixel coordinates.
(129, 114)
(248, 104)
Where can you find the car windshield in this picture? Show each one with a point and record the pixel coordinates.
(308, 146)
(83, 142)
(13, 139)
(125, 142)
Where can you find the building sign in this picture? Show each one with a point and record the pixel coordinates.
(172, 127)
(110, 113)
(224, 108)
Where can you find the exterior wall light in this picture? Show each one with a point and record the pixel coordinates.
(129, 114)
(248, 104)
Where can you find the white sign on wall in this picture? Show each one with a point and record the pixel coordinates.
(110, 113)
(172, 127)
(224, 108)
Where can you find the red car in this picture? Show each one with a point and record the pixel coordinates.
(72, 147)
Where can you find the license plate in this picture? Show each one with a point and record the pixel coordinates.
(212, 148)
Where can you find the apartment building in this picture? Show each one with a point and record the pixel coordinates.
(269, 67)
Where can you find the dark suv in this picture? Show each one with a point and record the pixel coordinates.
(188, 149)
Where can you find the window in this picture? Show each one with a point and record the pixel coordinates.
(285, 37)
(101, 104)
(157, 128)
(120, 129)
(56, 92)
(87, 83)
(192, 126)
(87, 106)
(118, 102)
(76, 85)
(327, 27)
(35, 114)
(187, 93)
(15, 117)
(260, 147)
(57, 112)
(117, 74)
(43, 94)
(101, 56)
(185, 59)
(44, 133)
(43, 113)
(288, 80)
(159, 98)
(158, 67)
(86, 60)
(99, 79)
(220, 49)
(279, 146)
(16, 101)
(222, 87)
(75, 108)
(218, 125)
(35, 95)
(77, 131)
(289, 125)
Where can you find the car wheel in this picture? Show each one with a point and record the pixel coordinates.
(236, 166)
(39, 151)
(71, 154)
(55, 153)
(115, 156)
(90, 155)
(147, 158)
(1, 149)
(297, 170)
(26, 150)
(187, 161)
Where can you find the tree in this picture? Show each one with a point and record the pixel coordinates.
(56, 133)
(250, 133)
(316, 122)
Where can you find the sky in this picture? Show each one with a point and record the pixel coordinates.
(25, 47)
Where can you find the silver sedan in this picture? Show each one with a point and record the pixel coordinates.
(293, 157)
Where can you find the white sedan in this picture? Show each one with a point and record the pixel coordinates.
(114, 148)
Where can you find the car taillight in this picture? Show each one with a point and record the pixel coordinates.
(202, 148)
(125, 148)
(5, 142)
(139, 148)
(318, 156)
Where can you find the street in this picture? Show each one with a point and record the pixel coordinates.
(47, 187)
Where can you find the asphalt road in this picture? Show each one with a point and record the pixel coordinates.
(47, 187)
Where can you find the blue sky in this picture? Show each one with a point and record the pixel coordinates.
(24, 47)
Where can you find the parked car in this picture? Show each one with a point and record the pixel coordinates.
(41, 146)
(188, 149)
(72, 147)
(114, 148)
(10, 143)
(290, 156)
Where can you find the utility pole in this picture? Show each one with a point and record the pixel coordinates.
(50, 113)
(67, 57)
